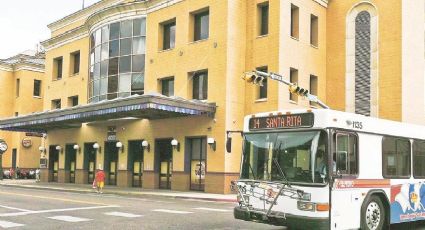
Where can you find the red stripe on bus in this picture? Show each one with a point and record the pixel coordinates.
(362, 183)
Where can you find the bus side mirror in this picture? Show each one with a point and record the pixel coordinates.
(229, 144)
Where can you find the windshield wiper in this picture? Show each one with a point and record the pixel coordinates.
(250, 168)
(282, 174)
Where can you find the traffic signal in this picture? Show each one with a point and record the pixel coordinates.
(298, 90)
(252, 77)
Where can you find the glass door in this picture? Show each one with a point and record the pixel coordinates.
(165, 152)
(198, 163)
(90, 161)
(70, 159)
(53, 163)
(111, 162)
(135, 162)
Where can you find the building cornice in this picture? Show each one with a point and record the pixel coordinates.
(71, 35)
(137, 8)
(22, 66)
(29, 67)
(81, 14)
(6, 67)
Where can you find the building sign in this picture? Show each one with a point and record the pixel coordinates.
(34, 134)
(43, 163)
(26, 142)
(287, 121)
(112, 133)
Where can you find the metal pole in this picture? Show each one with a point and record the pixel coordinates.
(279, 78)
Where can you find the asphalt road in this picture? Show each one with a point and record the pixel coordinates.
(22, 208)
(42, 209)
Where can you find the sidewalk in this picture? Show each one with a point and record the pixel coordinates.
(87, 188)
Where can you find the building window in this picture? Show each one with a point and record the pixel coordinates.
(75, 62)
(262, 90)
(169, 35)
(295, 23)
(293, 78)
(395, 157)
(362, 64)
(418, 159)
(201, 25)
(18, 86)
(263, 10)
(56, 104)
(57, 68)
(16, 114)
(200, 85)
(345, 158)
(167, 86)
(313, 88)
(314, 30)
(72, 101)
(37, 88)
(117, 60)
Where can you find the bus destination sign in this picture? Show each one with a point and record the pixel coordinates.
(284, 121)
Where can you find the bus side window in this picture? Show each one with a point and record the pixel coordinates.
(345, 159)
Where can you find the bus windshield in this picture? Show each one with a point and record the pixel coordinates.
(299, 156)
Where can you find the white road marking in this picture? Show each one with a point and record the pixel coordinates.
(7, 224)
(171, 211)
(13, 208)
(69, 218)
(214, 209)
(122, 214)
(55, 210)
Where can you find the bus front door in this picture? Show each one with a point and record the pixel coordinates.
(345, 197)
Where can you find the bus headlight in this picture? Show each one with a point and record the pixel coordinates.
(306, 206)
(310, 206)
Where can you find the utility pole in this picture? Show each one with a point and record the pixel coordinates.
(83, 5)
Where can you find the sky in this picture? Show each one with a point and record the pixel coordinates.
(24, 23)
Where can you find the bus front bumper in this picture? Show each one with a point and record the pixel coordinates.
(296, 222)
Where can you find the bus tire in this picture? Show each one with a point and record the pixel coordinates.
(373, 216)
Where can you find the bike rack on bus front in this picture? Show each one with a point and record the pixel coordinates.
(269, 196)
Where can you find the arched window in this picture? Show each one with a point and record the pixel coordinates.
(362, 64)
(361, 77)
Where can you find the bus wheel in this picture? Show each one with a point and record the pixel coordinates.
(373, 214)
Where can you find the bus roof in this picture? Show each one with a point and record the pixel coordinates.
(326, 118)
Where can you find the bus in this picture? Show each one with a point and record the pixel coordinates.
(327, 169)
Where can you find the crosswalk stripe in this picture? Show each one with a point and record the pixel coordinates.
(122, 214)
(213, 209)
(7, 224)
(171, 211)
(69, 218)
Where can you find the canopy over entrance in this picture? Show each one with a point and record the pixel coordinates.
(143, 107)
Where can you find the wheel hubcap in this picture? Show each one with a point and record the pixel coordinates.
(373, 215)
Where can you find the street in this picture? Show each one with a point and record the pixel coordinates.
(22, 208)
(37, 209)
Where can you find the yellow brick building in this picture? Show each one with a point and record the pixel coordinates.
(147, 89)
(21, 80)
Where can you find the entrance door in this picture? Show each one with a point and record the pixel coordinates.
(14, 155)
(135, 161)
(53, 163)
(70, 161)
(111, 162)
(164, 152)
(198, 163)
(90, 161)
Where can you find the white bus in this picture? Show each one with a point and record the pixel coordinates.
(325, 169)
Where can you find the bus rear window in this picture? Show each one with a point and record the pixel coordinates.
(395, 157)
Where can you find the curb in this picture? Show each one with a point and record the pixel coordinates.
(229, 200)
